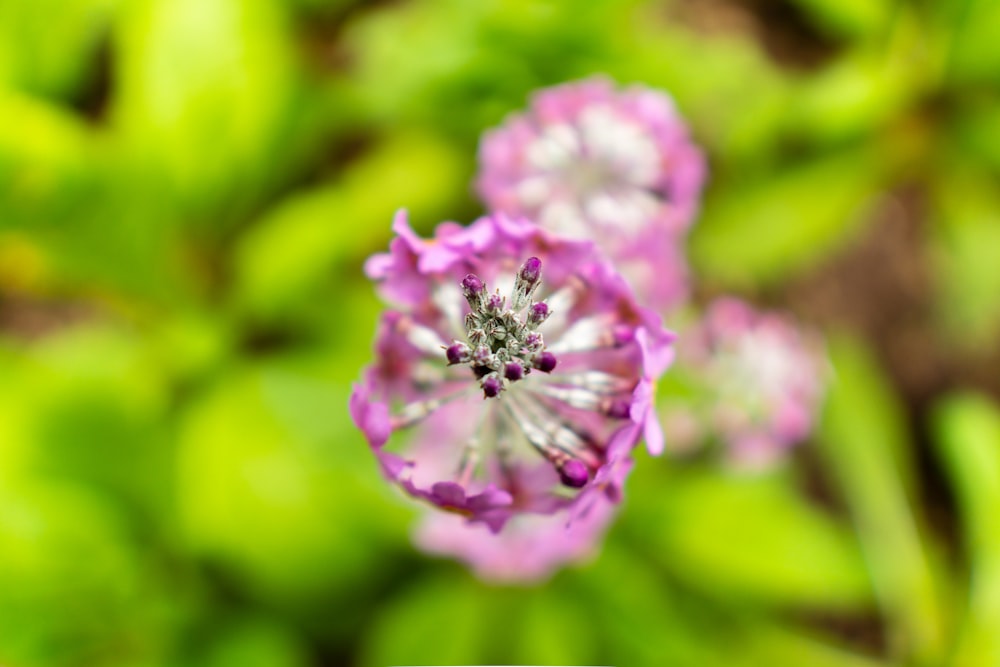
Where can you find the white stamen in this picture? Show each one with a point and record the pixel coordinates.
(550, 436)
(596, 381)
(423, 338)
(415, 412)
(577, 397)
(589, 333)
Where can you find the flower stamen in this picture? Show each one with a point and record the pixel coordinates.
(503, 344)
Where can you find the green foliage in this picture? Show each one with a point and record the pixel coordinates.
(188, 192)
(766, 231)
(967, 251)
(752, 536)
(968, 432)
(865, 445)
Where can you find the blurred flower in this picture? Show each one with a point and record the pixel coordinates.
(759, 381)
(589, 161)
(524, 399)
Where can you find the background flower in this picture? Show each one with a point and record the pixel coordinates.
(756, 383)
(591, 161)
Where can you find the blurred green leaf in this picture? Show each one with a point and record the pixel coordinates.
(737, 101)
(966, 247)
(253, 642)
(761, 231)
(435, 620)
(650, 622)
(462, 66)
(90, 408)
(645, 623)
(968, 443)
(205, 100)
(867, 448)
(294, 254)
(970, 136)
(971, 29)
(47, 162)
(778, 644)
(552, 629)
(864, 89)
(60, 185)
(282, 512)
(69, 585)
(849, 18)
(48, 46)
(748, 536)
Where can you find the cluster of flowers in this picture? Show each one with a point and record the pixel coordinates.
(515, 373)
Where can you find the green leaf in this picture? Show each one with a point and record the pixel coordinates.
(766, 230)
(48, 47)
(849, 18)
(90, 408)
(971, 29)
(966, 254)
(206, 100)
(296, 513)
(968, 443)
(552, 628)
(435, 621)
(748, 535)
(68, 578)
(774, 643)
(868, 451)
(254, 642)
(290, 256)
(46, 162)
(735, 101)
(864, 90)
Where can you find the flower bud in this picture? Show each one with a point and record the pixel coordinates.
(538, 313)
(545, 362)
(491, 386)
(457, 353)
(574, 474)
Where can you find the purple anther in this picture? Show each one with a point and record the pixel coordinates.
(472, 284)
(482, 355)
(474, 291)
(491, 386)
(513, 371)
(531, 270)
(533, 339)
(574, 474)
(457, 353)
(538, 312)
(619, 409)
(494, 303)
(623, 335)
(545, 362)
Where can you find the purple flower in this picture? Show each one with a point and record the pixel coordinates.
(478, 406)
(760, 377)
(589, 161)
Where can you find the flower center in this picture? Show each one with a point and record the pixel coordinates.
(503, 342)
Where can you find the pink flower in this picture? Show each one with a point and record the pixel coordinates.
(760, 380)
(510, 379)
(589, 161)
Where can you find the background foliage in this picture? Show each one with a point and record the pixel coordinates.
(188, 189)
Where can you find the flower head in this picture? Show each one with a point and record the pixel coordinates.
(510, 379)
(589, 161)
(760, 377)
